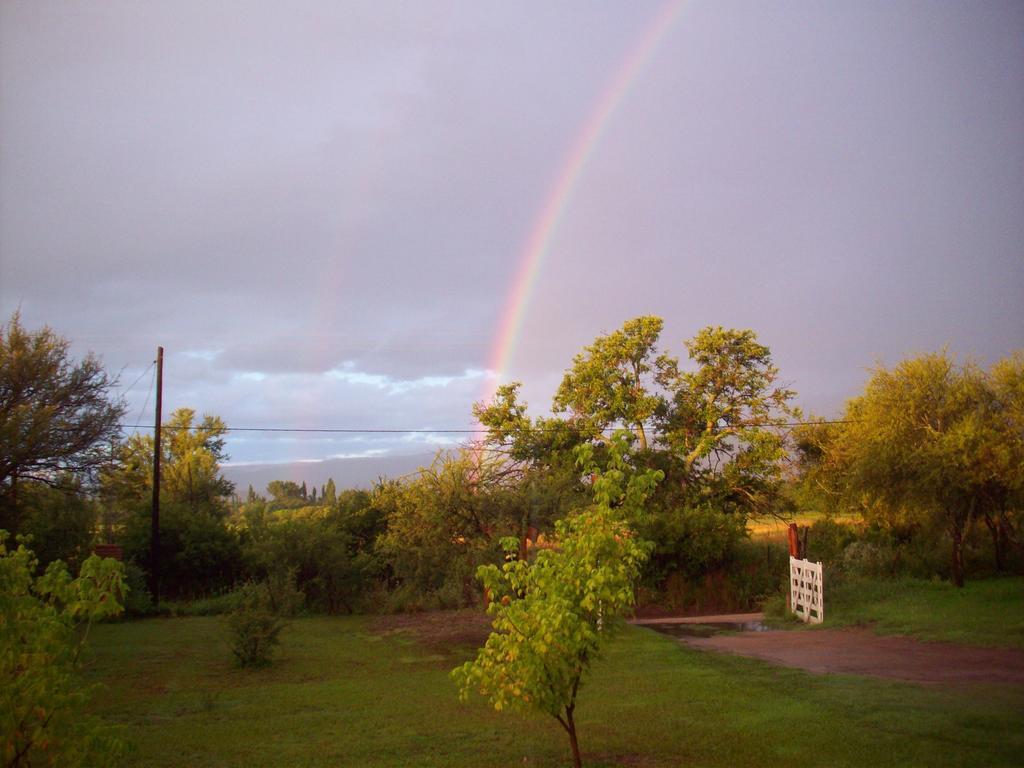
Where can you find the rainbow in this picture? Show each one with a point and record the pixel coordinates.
(565, 183)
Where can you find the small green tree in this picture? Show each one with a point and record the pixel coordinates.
(44, 623)
(552, 615)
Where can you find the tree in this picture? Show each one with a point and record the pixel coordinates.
(192, 456)
(553, 615)
(722, 421)
(57, 417)
(446, 521)
(190, 473)
(286, 494)
(198, 552)
(1002, 481)
(330, 494)
(44, 621)
(915, 444)
(608, 381)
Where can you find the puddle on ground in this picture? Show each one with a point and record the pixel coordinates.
(710, 629)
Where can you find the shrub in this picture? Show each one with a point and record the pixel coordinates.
(44, 621)
(256, 623)
(138, 601)
(865, 558)
(828, 539)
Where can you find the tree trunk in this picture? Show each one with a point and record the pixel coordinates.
(569, 724)
(571, 729)
(641, 436)
(957, 531)
(997, 542)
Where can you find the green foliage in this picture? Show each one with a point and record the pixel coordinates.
(256, 623)
(330, 552)
(57, 418)
(445, 522)
(60, 521)
(552, 615)
(190, 476)
(721, 423)
(44, 621)
(721, 443)
(607, 384)
(138, 601)
(930, 447)
(199, 553)
(330, 494)
(692, 541)
(286, 494)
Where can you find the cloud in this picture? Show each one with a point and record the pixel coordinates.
(320, 211)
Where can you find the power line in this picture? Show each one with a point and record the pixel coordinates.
(138, 379)
(149, 393)
(445, 431)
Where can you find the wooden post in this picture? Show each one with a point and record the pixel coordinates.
(154, 540)
(794, 541)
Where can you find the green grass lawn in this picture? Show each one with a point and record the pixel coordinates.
(985, 612)
(343, 695)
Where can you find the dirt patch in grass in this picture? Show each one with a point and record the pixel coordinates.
(859, 651)
(439, 631)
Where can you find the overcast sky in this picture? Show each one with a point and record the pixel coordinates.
(319, 209)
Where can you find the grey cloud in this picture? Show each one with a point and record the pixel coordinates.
(320, 184)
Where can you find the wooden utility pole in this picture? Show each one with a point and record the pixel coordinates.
(154, 539)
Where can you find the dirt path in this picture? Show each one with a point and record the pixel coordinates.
(859, 651)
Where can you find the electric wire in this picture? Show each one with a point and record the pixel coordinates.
(443, 431)
(138, 379)
(149, 392)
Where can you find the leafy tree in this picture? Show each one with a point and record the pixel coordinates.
(57, 418)
(190, 467)
(44, 623)
(553, 614)
(60, 520)
(198, 552)
(915, 444)
(330, 493)
(190, 471)
(286, 494)
(444, 522)
(722, 420)
(608, 383)
(330, 552)
(1002, 477)
(537, 458)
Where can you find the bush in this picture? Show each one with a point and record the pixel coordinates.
(865, 558)
(256, 623)
(199, 554)
(827, 540)
(691, 541)
(138, 601)
(215, 605)
(43, 624)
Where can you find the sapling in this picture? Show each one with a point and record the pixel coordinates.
(553, 614)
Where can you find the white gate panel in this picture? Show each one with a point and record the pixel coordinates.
(806, 590)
